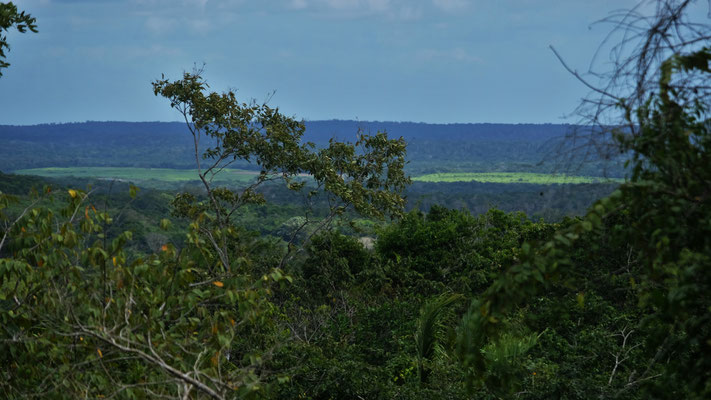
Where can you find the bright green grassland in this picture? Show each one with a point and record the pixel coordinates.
(138, 174)
(237, 176)
(510, 177)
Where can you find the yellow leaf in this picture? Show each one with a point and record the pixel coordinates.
(581, 299)
(86, 212)
(218, 284)
(232, 321)
(72, 193)
(114, 260)
(215, 358)
(100, 354)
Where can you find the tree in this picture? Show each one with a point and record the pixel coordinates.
(427, 332)
(662, 215)
(366, 176)
(9, 18)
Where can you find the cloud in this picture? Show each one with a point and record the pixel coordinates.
(199, 3)
(393, 9)
(451, 5)
(167, 25)
(167, 4)
(375, 6)
(148, 52)
(111, 54)
(390, 9)
(298, 4)
(161, 25)
(80, 1)
(201, 26)
(94, 53)
(457, 54)
(78, 22)
(409, 13)
(342, 4)
(55, 52)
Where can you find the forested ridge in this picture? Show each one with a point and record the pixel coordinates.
(431, 147)
(319, 279)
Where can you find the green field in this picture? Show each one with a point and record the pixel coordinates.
(239, 176)
(139, 175)
(511, 177)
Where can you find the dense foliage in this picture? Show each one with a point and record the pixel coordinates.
(661, 216)
(195, 320)
(127, 293)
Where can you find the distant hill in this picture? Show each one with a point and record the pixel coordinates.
(316, 131)
(323, 130)
(431, 147)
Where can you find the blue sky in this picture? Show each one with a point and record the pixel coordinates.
(439, 61)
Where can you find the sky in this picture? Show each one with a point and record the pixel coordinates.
(437, 61)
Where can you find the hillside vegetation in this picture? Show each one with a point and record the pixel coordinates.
(432, 148)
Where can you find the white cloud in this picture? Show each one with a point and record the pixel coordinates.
(380, 5)
(409, 13)
(55, 52)
(94, 53)
(394, 9)
(285, 54)
(148, 52)
(160, 25)
(201, 26)
(458, 54)
(342, 4)
(109, 54)
(450, 5)
(200, 3)
(298, 4)
(166, 4)
(77, 22)
(390, 9)
(361, 5)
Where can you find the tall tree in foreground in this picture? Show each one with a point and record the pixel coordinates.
(367, 176)
(662, 215)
